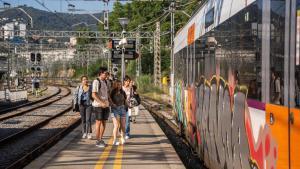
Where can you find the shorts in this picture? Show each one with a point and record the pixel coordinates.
(119, 111)
(101, 113)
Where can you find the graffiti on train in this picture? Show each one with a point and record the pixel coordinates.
(217, 123)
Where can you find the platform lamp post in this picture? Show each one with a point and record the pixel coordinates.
(123, 42)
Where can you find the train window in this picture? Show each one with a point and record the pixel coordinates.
(277, 52)
(238, 53)
(199, 59)
(185, 73)
(209, 18)
(297, 60)
(297, 85)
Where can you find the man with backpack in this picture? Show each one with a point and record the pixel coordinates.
(100, 95)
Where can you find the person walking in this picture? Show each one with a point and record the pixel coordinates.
(101, 105)
(127, 89)
(83, 104)
(118, 98)
(135, 101)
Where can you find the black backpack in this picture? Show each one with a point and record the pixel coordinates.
(135, 99)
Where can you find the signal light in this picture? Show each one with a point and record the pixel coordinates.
(106, 26)
(38, 69)
(32, 57)
(38, 57)
(32, 69)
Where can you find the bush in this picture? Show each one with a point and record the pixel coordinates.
(145, 85)
(92, 71)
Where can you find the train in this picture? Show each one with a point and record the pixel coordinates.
(237, 83)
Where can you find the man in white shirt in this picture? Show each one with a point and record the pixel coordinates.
(100, 105)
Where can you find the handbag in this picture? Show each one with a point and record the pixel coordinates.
(134, 101)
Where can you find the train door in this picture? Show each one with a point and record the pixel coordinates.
(294, 85)
(274, 57)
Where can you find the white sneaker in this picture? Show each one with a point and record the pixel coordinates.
(115, 143)
(89, 136)
(127, 137)
(84, 135)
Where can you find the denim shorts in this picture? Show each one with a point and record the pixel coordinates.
(118, 111)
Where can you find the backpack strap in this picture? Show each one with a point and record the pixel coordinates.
(100, 83)
(99, 86)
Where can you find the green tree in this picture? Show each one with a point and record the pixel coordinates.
(140, 13)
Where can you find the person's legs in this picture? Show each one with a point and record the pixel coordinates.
(97, 129)
(102, 128)
(122, 126)
(102, 116)
(89, 121)
(127, 125)
(116, 127)
(83, 120)
(136, 113)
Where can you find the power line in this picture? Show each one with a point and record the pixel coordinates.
(186, 4)
(64, 21)
(151, 22)
(162, 17)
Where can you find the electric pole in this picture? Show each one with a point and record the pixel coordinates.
(172, 9)
(139, 52)
(157, 59)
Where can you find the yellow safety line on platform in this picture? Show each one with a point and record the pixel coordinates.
(118, 158)
(104, 155)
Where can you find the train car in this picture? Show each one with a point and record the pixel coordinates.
(237, 83)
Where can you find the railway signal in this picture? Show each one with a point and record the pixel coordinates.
(32, 57)
(38, 57)
(106, 26)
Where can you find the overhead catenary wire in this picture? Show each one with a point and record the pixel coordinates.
(151, 22)
(186, 4)
(163, 16)
(63, 20)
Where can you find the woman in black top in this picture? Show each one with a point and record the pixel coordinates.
(118, 98)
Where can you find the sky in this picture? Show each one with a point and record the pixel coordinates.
(85, 6)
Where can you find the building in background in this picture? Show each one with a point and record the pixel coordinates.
(13, 29)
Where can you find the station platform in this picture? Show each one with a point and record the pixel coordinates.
(147, 148)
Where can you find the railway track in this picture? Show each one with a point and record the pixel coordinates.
(3, 111)
(25, 109)
(174, 133)
(25, 135)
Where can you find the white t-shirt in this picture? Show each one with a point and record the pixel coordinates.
(127, 90)
(103, 93)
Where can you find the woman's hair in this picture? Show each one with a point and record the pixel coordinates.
(134, 87)
(84, 76)
(115, 89)
(126, 78)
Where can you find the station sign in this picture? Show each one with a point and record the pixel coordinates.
(130, 49)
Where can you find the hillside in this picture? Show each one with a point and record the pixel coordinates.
(44, 20)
